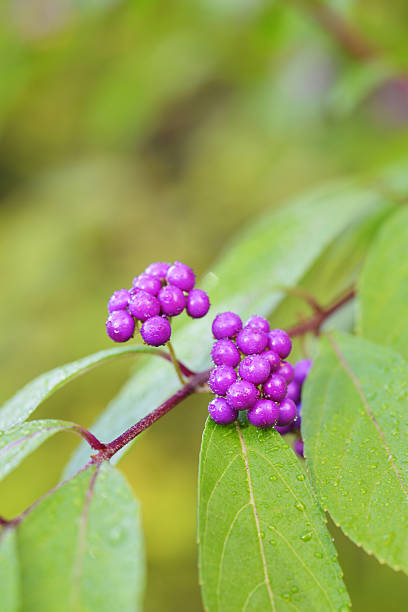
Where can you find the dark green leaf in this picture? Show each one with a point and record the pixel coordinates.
(9, 578)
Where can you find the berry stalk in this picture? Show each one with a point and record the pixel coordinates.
(175, 363)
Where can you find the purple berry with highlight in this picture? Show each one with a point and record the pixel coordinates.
(221, 378)
(259, 323)
(143, 305)
(147, 283)
(250, 341)
(221, 412)
(273, 358)
(287, 412)
(264, 413)
(297, 422)
(275, 388)
(198, 303)
(158, 269)
(181, 276)
(226, 325)
(242, 395)
(286, 371)
(293, 391)
(302, 369)
(119, 300)
(120, 326)
(172, 300)
(224, 352)
(284, 429)
(280, 342)
(254, 369)
(156, 331)
(298, 447)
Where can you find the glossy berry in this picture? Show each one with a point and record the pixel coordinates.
(224, 352)
(280, 342)
(293, 391)
(264, 413)
(254, 369)
(156, 331)
(250, 341)
(286, 371)
(302, 370)
(283, 430)
(172, 300)
(198, 303)
(273, 358)
(242, 394)
(158, 269)
(287, 412)
(226, 325)
(221, 378)
(120, 326)
(119, 300)
(148, 283)
(298, 447)
(143, 305)
(181, 276)
(297, 422)
(258, 323)
(221, 412)
(275, 388)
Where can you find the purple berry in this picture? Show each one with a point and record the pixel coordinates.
(172, 300)
(293, 391)
(273, 358)
(120, 326)
(283, 430)
(181, 276)
(198, 303)
(119, 300)
(156, 331)
(297, 422)
(264, 413)
(302, 370)
(224, 352)
(286, 371)
(250, 341)
(221, 412)
(242, 394)
(280, 342)
(226, 325)
(258, 323)
(287, 412)
(158, 269)
(298, 447)
(254, 369)
(221, 378)
(143, 305)
(147, 283)
(275, 388)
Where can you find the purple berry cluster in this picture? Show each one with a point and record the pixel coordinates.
(301, 370)
(251, 372)
(162, 291)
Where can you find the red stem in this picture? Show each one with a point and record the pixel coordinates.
(316, 321)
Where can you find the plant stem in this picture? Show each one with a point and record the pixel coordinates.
(175, 363)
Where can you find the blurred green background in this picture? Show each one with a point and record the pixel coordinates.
(139, 131)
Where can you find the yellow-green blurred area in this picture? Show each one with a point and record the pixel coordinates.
(139, 131)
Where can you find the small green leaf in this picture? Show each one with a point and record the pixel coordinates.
(355, 426)
(18, 442)
(25, 401)
(80, 548)
(384, 286)
(263, 540)
(9, 571)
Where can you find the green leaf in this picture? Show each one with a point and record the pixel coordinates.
(271, 253)
(263, 540)
(355, 427)
(80, 548)
(18, 442)
(384, 286)
(25, 401)
(9, 571)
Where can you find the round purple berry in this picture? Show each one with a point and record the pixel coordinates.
(221, 412)
(172, 300)
(242, 394)
(273, 358)
(143, 305)
(264, 413)
(120, 326)
(158, 269)
(226, 325)
(283, 430)
(156, 331)
(181, 276)
(298, 447)
(293, 391)
(224, 352)
(221, 378)
(147, 283)
(297, 422)
(280, 342)
(287, 412)
(250, 341)
(254, 369)
(286, 371)
(275, 388)
(119, 300)
(259, 323)
(302, 369)
(198, 303)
